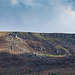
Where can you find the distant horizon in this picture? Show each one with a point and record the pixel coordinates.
(42, 32)
(43, 16)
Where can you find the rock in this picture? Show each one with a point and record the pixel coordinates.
(10, 48)
(22, 50)
(6, 68)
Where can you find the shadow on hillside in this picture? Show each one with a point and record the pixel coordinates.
(25, 63)
(12, 60)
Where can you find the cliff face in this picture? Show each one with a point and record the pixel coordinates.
(42, 43)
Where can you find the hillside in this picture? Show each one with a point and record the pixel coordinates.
(19, 51)
(42, 43)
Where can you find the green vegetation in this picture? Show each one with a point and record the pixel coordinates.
(68, 74)
(67, 51)
(39, 36)
(38, 64)
(59, 47)
(52, 55)
(0, 74)
(38, 71)
(55, 74)
(30, 71)
(42, 73)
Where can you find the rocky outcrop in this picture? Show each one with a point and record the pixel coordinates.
(46, 43)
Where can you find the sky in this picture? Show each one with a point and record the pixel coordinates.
(45, 16)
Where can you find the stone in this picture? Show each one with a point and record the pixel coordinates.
(6, 68)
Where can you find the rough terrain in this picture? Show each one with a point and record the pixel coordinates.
(26, 52)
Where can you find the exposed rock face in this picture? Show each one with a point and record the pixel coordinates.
(61, 35)
(46, 43)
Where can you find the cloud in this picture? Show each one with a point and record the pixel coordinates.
(25, 2)
(70, 11)
(14, 2)
(28, 2)
(38, 15)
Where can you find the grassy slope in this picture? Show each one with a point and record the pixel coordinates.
(41, 39)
